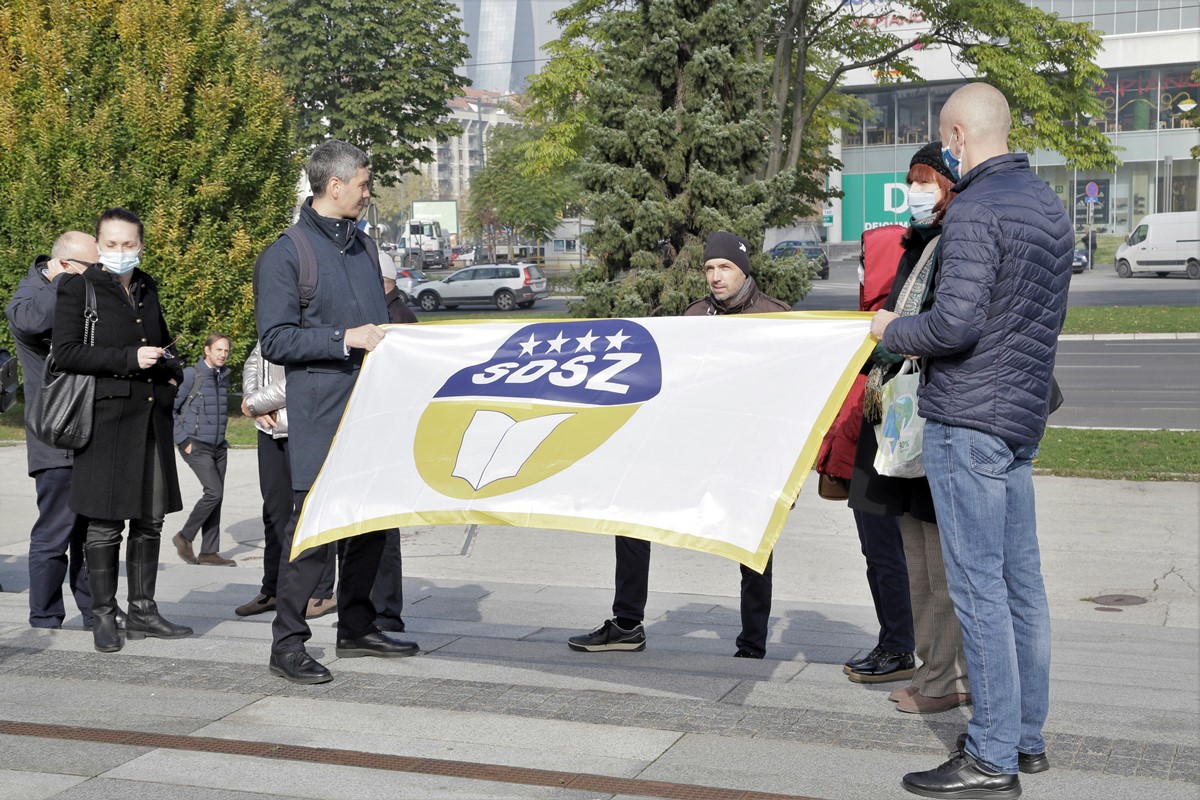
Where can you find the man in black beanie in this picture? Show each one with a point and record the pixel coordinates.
(731, 291)
(731, 287)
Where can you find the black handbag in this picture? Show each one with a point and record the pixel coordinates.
(66, 401)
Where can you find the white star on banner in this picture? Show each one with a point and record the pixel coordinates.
(585, 342)
(556, 343)
(527, 346)
(615, 341)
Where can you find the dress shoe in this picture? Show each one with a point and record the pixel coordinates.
(885, 667)
(849, 666)
(375, 644)
(184, 548)
(963, 778)
(299, 668)
(1029, 763)
(896, 695)
(215, 560)
(259, 605)
(320, 606)
(744, 653)
(918, 703)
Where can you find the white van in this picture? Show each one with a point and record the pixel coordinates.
(1162, 243)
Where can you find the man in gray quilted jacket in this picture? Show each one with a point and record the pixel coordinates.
(988, 344)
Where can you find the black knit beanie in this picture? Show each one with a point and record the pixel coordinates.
(721, 244)
(931, 155)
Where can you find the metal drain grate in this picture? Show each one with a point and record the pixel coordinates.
(583, 782)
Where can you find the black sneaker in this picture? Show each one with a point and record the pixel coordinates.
(609, 636)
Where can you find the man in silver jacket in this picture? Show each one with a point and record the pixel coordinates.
(264, 398)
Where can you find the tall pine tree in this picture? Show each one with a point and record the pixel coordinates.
(677, 136)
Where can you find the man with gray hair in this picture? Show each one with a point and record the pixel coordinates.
(56, 540)
(988, 344)
(319, 303)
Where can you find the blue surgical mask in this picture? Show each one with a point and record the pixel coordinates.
(952, 162)
(921, 204)
(120, 263)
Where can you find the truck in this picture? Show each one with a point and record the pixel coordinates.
(1162, 243)
(425, 236)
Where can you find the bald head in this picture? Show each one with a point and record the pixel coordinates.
(77, 245)
(71, 253)
(974, 124)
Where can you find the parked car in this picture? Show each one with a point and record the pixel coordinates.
(810, 250)
(506, 286)
(407, 280)
(1079, 261)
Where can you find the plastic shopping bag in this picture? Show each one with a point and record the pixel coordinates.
(902, 431)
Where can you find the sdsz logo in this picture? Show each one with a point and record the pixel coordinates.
(552, 393)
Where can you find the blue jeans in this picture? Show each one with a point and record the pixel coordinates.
(983, 489)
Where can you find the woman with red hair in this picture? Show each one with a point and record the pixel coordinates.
(940, 683)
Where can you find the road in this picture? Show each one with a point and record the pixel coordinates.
(1129, 384)
(1107, 384)
(1099, 288)
(840, 292)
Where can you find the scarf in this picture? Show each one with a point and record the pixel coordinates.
(908, 304)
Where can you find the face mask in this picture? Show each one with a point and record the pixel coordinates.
(952, 162)
(921, 204)
(120, 263)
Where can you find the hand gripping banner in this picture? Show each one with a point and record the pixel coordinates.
(693, 432)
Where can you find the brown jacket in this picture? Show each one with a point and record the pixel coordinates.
(750, 300)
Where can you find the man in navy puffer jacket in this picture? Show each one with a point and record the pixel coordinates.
(988, 344)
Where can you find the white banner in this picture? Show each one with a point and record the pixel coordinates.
(688, 431)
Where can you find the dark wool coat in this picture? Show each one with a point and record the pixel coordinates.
(310, 342)
(112, 478)
(992, 333)
(30, 320)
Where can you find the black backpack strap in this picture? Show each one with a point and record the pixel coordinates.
(308, 264)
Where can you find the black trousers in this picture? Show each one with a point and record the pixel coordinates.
(633, 586)
(298, 579)
(208, 462)
(388, 594)
(56, 552)
(887, 577)
(275, 484)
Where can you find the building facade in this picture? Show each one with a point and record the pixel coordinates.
(1151, 48)
(457, 159)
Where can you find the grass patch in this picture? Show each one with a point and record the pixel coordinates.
(1133, 319)
(1121, 455)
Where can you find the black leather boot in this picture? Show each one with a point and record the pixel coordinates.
(102, 580)
(141, 563)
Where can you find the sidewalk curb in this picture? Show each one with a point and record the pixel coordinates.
(1128, 337)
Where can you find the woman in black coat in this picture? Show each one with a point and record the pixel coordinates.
(127, 470)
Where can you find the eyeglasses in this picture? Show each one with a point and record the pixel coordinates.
(84, 264)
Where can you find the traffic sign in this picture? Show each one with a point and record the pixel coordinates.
(1092, 190)
(1091, 199)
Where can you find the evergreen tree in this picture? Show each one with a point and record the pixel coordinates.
(677, 134)
(375, 73)
(164, 108)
